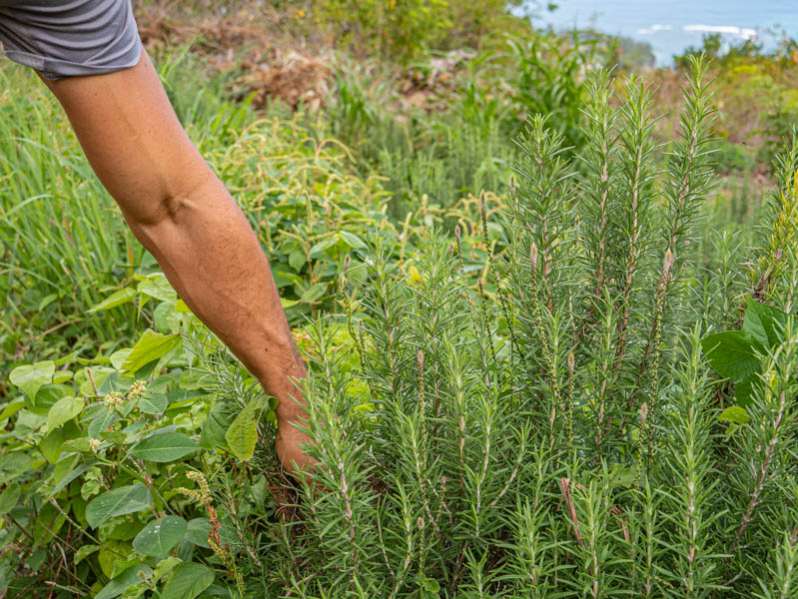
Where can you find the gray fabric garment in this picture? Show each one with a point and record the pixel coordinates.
(65, 38)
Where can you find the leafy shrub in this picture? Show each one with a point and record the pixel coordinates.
(733, 157)
(402, 29)
(308, 207)
(523, 409)
(444, 154)
(780, 125)
(550, 79)
(104, 460)
(552, 427)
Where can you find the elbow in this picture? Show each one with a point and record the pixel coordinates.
(166, 202)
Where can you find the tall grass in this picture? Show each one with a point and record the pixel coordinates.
(63, 242)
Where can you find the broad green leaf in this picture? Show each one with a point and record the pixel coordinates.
(129, 578)
(283, 278)
(164, 447)
(64, 410)
(65, 473)
(764, 323)
(13, 465)
(153, 402)
(322, 246)
(242, 436)
(119, 356)
(11, 408)
(744, 390)
(62, 376)
(48, 522)
(734, 414)
(48, 395)
(731, 354)
(159, 537)
(103, 419)
(188, 581)
(117, 502)
(288, 303)
(219, 419)
(81, 445)
(84, 552)
(166, 318)
(157, 286)
(32, 377)
(50, 445)
(353, 241)
(99, 376)
(165, 567)
(313, 293)
(118, 298)
(151, 346)
(197, 531)
(9, 498)
(115, 557)
(297, 260)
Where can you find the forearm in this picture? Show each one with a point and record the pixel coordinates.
(212, 257)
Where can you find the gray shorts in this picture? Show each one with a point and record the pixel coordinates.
(64, 38)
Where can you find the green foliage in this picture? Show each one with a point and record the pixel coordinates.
(550, 80)
(159, 536)
(402, 29)
(242, 435)
(541, 428)
(188, 581)
(114, 460)
(511, 389)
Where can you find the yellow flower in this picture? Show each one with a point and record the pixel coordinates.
(413, 276)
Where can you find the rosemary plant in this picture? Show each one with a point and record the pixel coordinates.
(549, 424)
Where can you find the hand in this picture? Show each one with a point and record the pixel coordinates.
(290, 445)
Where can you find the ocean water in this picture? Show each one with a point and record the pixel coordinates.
(670, 26)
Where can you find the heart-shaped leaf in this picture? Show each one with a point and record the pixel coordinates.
(731, 354)
(32, 377)
(764, 323)
(197, 531)
(129, 578)
(734, 414)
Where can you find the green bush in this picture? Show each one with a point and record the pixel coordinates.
(550, 78)
(402, 29)
(588, 390)
(553, 426)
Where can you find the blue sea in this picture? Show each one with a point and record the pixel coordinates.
(670, 26)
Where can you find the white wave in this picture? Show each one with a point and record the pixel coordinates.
(745, 33)
(654, 29)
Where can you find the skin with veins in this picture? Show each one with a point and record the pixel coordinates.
(183, 214)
